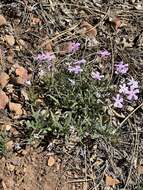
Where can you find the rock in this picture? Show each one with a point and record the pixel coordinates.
(16, 108)
(51, 161)
(3, 100)
(3, 79)
(10, 39)
(2, 20)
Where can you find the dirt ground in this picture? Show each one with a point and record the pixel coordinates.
(31, 172)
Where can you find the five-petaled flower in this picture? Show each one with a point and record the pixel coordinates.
(73, 47)
(133, 83)
(121, 68)
(132, 93)
(118, 101)
(123, 89)
(45, 57)
(96, 75)
(104, 53)
(75, 69)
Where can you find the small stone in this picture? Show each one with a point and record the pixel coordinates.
(24, 152)
(51, 161)
(3, 79)
(3, 100)
(11, 167)
(7, 127)
(2, 20)
(10, 39)
(9, 145)
(16, 108)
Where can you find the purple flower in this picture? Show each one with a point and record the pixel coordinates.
(121, 68)
(118, 101)
(73, 47)
(132, 93)
(45, 56)
(96, 75)
(75, 69)
(123, 89)
(82, 61)
(133, 83)
(104, 53)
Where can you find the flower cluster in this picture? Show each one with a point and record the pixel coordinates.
(79, 62)
(133, 90)
(103, 53)
(75, 69)
(121, 68)
(129, 90)
(76, 66)
(45, 57)
(73, 47)
(96, 75)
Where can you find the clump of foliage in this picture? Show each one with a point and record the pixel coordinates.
(75, 101)
(80, 93)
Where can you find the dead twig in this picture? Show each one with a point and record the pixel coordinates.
(122, 123)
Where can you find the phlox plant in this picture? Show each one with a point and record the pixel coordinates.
(76, 93)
